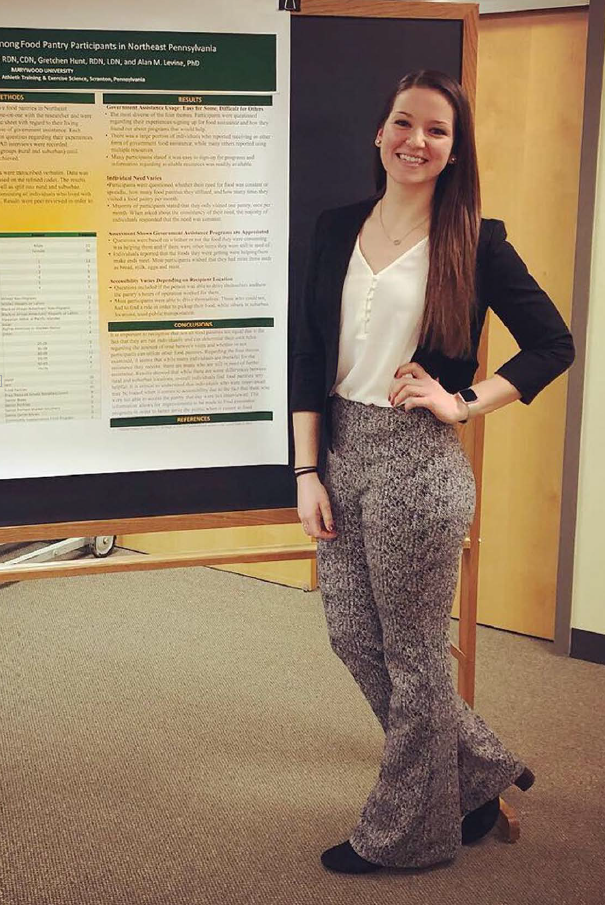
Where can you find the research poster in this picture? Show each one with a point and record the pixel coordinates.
(143, 238)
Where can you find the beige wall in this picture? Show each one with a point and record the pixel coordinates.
(588, 611)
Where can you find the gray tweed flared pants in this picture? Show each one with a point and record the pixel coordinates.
(403, 497)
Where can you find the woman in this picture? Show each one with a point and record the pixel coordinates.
(386, 342)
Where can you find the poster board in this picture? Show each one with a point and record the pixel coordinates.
(333, 103)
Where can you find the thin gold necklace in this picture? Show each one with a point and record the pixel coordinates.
(397, 241)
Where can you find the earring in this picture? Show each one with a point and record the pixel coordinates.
(378, 142)
(452, 159)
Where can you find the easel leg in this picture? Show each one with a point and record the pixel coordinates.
(508, 823)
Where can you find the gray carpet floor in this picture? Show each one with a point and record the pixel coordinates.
(188, 736)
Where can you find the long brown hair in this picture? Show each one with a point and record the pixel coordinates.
(455, 221)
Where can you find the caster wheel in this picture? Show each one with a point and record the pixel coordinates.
(102, 545)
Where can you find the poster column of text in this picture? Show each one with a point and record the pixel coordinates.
(193, 253)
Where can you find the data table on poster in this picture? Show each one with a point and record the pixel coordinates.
(49, 327)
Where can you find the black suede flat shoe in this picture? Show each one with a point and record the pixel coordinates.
(344, 860)
(479, 822)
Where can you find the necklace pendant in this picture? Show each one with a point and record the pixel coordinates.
(396, 241)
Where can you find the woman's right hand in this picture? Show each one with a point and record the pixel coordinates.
(314, 508)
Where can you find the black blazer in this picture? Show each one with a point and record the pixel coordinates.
(503, 283)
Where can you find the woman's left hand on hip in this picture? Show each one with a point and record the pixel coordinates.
(413, 387)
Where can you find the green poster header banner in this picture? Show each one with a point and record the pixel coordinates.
(147, 60)
(45, 97)
(214, 418)
(191, 100)
(225, 323)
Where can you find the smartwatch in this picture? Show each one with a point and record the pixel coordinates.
(471, 399)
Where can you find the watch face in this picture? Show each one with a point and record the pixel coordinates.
(469, 395)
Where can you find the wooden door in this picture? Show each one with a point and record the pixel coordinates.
(529, 122)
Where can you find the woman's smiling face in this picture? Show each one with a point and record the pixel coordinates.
(417, 138)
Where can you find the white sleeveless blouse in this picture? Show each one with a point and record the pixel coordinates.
(380, 323)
